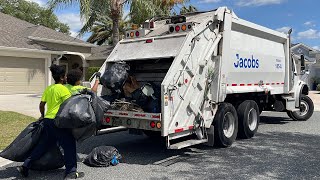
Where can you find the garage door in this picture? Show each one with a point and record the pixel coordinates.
(21, 75)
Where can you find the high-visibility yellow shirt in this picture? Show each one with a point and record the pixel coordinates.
(54, 96)
(74, 89)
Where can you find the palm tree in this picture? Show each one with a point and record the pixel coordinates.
(93, 10)
(188, 9)
(101, 32)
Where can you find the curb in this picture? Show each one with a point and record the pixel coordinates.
(4, 162)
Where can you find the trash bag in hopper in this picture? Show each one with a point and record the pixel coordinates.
(22, 146)
(103, 156)
(148, 97)
(130, 86)
(115, 76)
(75, 112)
(52, 159)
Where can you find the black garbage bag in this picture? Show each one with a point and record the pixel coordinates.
(75, 112)
(100, 107)
(149, 102)
(103, 156)
(22, 146)
(115, 76)
(52, 159)
(81, 134)
(20, 149)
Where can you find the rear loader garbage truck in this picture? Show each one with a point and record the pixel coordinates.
(216, 73)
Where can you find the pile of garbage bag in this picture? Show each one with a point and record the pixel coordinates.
(21, 148)
(81, 113)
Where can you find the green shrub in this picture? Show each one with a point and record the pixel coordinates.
(91, 71)
(318, 87)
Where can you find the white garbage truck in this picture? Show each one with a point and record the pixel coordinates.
(217, 74)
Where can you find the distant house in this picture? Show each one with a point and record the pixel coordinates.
(312, 57)
(27, 50)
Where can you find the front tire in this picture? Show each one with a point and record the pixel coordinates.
(249, 119)
(305, 112)
(225, 125)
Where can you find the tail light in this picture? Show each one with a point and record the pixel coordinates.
(108, 119)
(149, 40)
(177, 28)
(136, 33)
(152, 124)
(184, 27)
(158, 125)
(151, 24)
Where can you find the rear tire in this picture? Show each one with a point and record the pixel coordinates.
(225, 125)
(249, 119)
(306, 110)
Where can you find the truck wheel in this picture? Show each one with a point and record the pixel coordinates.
(225, 125)
(249, 118)
(306, 110)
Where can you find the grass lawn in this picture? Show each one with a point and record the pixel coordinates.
(11, 124)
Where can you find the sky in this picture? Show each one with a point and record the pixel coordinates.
(301, 15)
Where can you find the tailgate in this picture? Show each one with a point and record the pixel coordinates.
(134, 120)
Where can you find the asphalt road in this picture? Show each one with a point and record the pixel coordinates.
(282, 149)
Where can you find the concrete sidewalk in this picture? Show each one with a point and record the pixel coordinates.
(27, 104)
(315, 96)
(4, 162)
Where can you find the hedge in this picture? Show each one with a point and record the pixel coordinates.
(91, 71)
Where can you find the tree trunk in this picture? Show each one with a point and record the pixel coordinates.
(116, 12)
(115, 31)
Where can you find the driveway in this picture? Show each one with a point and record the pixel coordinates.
(27, 104)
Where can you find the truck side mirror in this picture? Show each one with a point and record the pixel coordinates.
(303, 67)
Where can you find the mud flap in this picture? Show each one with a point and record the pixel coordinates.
(210, 133)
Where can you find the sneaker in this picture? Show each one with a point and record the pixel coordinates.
(23, 171)
(74, 175)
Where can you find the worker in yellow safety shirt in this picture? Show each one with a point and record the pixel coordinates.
(53, 97)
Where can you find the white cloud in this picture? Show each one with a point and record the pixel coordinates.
(73, 20)
(258, 2)
(209, 1)
(73, 33)
(309, 34)
(316, 47)
(310, 23)
(40, 2)
(284, 29)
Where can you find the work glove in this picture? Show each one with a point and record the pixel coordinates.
(98, 75)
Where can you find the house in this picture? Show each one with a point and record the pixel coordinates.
(312, 57)
(27, 50)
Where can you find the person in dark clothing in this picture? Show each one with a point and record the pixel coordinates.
(53, 97)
